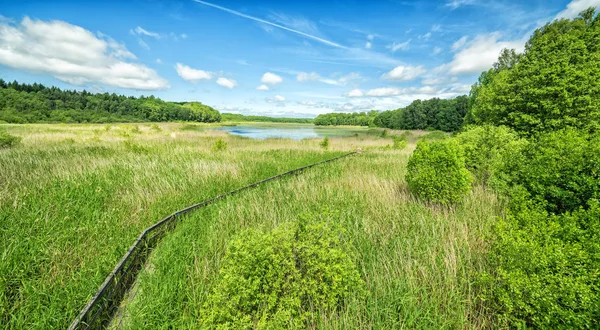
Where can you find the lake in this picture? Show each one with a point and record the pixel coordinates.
(296, 132)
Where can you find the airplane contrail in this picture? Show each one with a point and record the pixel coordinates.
(237, 13)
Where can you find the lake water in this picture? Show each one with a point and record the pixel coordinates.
(287, 132)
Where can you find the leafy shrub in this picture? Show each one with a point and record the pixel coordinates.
(7, 140)
(486, 148)
(436, 171)
(384, 133)
(220, 145)
(399, 142)
(546, 269)
(281, 279)
(325, 143)
(559, 170)
(435, 135)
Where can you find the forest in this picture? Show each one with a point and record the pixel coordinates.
(36, 103)
(234, 117)
(433, 114)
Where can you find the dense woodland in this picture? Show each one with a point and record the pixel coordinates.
(36, 103)
(353, 119)
(250, 118)
(433, 114)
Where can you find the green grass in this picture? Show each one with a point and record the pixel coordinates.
(74, 197)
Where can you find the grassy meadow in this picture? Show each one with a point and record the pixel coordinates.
(74, 197)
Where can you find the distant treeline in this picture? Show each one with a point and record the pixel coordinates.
(238, 117)
(353, 119)
(33, 103)
(434, 114)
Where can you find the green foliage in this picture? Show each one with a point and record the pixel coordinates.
(487, 148)
(352, 119)
(436, 171)
(220, 145)
(435, 135)
(437, 114)
(7, 140)
(399, 142)
(281, 279)
(25, 103)
(553, 85)
(384, 133)
(155, 128)
(559, 170)
(135, 129)
(325, 143)
(233, 117)
(132, 146)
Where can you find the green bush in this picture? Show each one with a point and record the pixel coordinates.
(435, 135)
(547, 269)
(436, 171)
(487, 148)
(283, 278)
(559, 170)
(399, 142)
(7, 140)
(220, 145)
(325, 143)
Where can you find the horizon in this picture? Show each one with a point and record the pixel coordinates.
(268, 58)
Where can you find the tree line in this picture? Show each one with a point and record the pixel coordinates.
(245, 118)
(433, 114)
(35, 103)
(352, 119)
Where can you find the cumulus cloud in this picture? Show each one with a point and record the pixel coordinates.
(368, 45)
(399, 46)
(227, 83)
(480, 54)
(305, 76)
(577, 6)
(262, 88)
(73, 54)
(354, 93)
(405, 73)
(191, 74)
(277, 99)
(271, 79)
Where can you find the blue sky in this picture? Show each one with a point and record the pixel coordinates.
(280, 58)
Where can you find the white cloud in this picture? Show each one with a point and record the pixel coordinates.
(368, 45)
(458, 44)
(140, 31)
(159, 61)
(425, 36)
(577, 6)
(370, 37)
(457, 3)
(191, 74)
(405, 73)
(304, 76)
(183, 36)
(335, 80)
(73, 54)
(271, 79)
(227, 83)
(354, 93)
(480, 54)
(262, 88)
(436, 28)
(403, 46)
(277, 99)
(437, 50)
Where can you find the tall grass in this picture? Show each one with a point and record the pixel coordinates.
(74, 197)
(416, 259)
